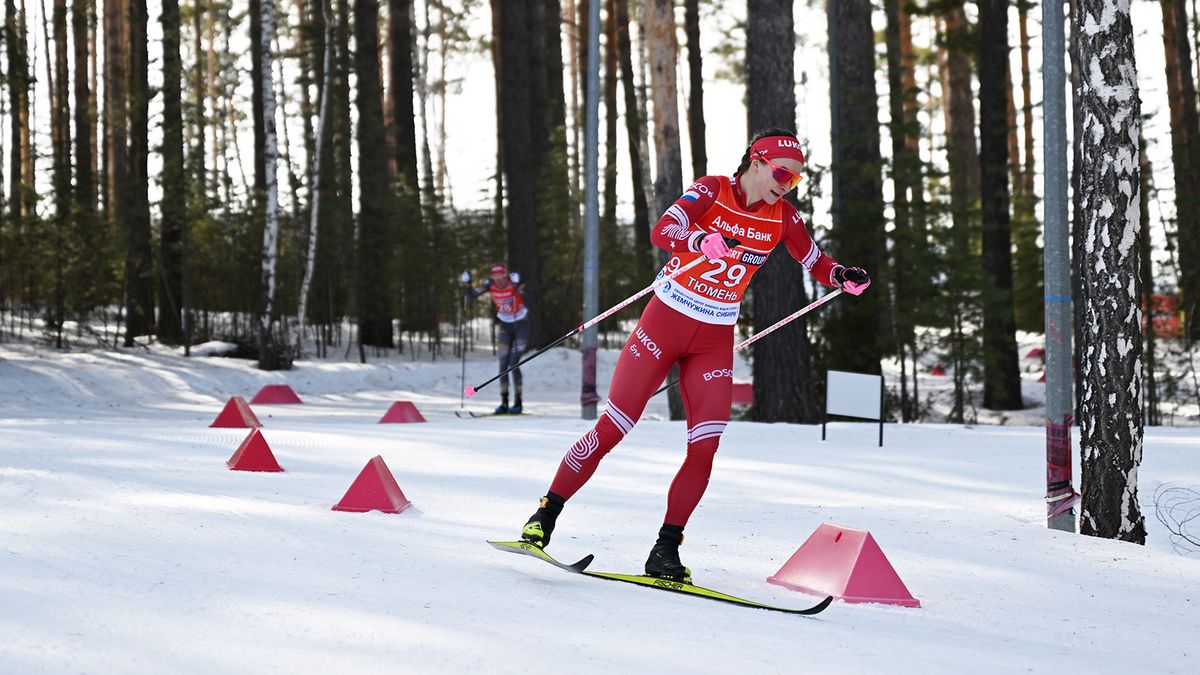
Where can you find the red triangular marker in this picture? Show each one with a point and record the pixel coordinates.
(237, 415)
(847, 564)
(375, 489)
(275, 394)
(254, 455)
(402, 412)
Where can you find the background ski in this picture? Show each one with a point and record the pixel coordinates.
(701, 592)
(525, 548)
(471, 413)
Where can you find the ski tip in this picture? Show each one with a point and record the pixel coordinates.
(469, 391)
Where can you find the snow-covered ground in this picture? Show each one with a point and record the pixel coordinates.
(127, 546)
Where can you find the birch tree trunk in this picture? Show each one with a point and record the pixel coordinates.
(314, 211)
(270, 356)
(1109, 183)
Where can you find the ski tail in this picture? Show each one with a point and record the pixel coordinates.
(526, 548)
(708, 593)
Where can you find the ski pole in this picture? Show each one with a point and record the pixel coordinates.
(462, 345)
(470, 391)
(770, 329)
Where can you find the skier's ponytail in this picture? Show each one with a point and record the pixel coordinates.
(762, 133)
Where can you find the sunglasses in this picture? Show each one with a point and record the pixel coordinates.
(781, 175)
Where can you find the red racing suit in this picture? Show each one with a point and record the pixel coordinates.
(690, 322)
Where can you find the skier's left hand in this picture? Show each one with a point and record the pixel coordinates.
(514, 277)
(853, 280)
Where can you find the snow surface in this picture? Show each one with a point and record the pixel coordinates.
(127, 546)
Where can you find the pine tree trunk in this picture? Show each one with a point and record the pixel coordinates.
(174, 210)
(856, 329)
(1111, 417)
(60, 121)
(256, 106)
(1185, 153)
(139, 259)
(907, 245)
(782, 365)
(88, 269)
(1002, 380)
(635, 131)
(695, 109)
(21, 183)
(662, 48)
(1028, 280)
(375, 239)
(615, 256)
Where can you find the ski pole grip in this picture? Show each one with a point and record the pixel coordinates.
(731, 242)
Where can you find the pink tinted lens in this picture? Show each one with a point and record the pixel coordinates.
(782, 175)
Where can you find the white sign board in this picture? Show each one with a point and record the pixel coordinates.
(854, 395)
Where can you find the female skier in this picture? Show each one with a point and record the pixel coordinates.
(690, 321)
(508, 294)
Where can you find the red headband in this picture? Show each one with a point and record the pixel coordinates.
(777, 147)
(499, 268)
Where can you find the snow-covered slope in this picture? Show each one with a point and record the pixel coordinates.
(127, 546)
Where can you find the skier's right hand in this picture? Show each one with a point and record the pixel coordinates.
(465, 277)
(713, 246)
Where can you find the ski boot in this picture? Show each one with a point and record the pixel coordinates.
(664, 557)
(516, 407)
(502, 409)
(539, 526)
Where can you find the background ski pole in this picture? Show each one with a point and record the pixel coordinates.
(462, 345)
(770, 329)
(470, 391)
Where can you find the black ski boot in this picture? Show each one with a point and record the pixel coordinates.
(539, 526)
(502, 409)
(516, 408)
(664, 557)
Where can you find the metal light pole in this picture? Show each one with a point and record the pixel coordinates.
(1060, 495)
(591, 219)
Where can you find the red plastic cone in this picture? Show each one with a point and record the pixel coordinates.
(938, 370)
(375, 489)
(847, 564)
(254, 455)
(276, 394)
(402, 412)
(237, 415)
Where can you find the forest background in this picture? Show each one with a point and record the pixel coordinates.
(159, 182)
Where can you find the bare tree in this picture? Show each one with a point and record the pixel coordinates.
(1110, 186)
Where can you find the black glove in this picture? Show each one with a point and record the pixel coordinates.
(853, 280)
